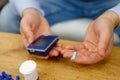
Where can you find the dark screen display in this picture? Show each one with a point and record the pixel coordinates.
(42, 42)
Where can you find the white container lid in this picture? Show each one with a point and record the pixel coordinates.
(27, 67)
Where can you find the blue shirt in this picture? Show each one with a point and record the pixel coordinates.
(21, 5)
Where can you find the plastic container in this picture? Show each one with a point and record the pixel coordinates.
(28, 69)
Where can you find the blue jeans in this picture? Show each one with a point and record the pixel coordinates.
(58, 11)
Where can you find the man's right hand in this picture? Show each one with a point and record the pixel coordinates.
(32, 25)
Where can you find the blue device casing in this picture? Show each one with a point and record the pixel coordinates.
(42, 45)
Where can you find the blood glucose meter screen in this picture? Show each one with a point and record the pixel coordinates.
(42, 42)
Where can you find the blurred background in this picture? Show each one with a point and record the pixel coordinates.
(2, 3)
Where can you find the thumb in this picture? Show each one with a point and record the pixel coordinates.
(103, 42)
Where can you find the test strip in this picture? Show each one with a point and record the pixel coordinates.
(74, 55)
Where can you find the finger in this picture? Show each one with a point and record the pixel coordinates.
(79, 46)
(24, 39)
(75, 47)
(40, 57)
(59, 45)
(103, 43)
(68, 54)
(72, 47)
(59, 49)
(27, 31)
(65, 51)
(109, 50)
(25, 42)
(53, 52)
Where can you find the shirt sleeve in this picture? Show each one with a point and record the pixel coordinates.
(21, 5)
(116, 9)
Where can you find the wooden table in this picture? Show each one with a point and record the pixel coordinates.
(13, 53)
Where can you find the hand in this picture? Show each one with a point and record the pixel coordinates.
(98, 41)
(32, 25)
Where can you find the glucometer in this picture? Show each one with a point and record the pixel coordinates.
(42, 45)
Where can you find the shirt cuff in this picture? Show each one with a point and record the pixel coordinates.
(21, 5)
(116, 9)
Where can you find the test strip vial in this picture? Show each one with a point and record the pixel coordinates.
(28, 69)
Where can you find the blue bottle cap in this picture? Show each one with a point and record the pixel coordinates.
(17, 78)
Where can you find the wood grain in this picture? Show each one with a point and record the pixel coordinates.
(13, 53)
